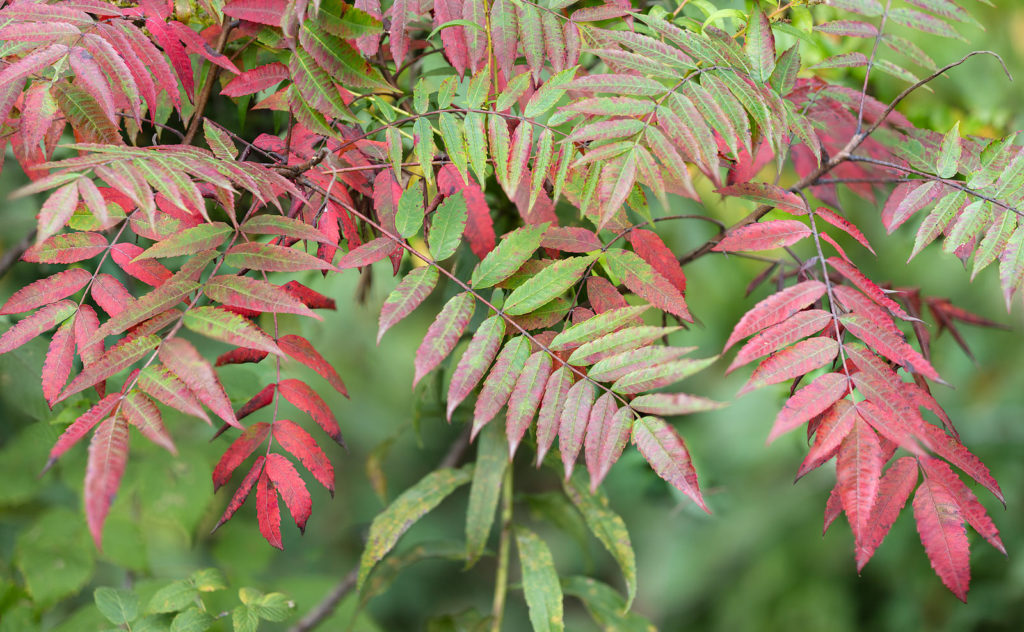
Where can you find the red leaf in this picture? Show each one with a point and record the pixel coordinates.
(607, 434)
(835, 425)
(940, 525)
(867, 286)
(809, 402)
(844, 225)
(443, 334)
(302, 446)
(140, 411)
(833, 508)
(369, 253)
(603, 295)
(149, 271)
(653, 250)
(298, 348)
(267, 12)
(666, 452)
(241, 355)
(893, 491)
(888, 344)
(118, 358)
(183, 360)
(291, 487)
(59, 357)
(305, 399)
(31, 326)
(763, 236)
(775, 309)
(801, 358)
(238, 452)
(253, 294)
(526, 397)
(966, 501)
(858, 470)
(798, 326)
(479, 229)
(257, 402)
(268, 512)
(255, 79)
(242, 493)
(86, 324)
(309, 297)
(573, 423)
(110, 294)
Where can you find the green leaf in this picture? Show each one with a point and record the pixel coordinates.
(760, 46)
(446, 226)
(412, 290)
(54, 556)
(192, 620)
(220, 324)
(607, 526)
(491, 461)
(510, 254)
(174, 597)
(451, 136)
(409, 219)
(540, 582)
(546, 285)
(514, 89)
(401, 514)
(423, 134)
(606, 606)
(244, 620)
(594, 328)
(271, 606)
(117, 605)
(948, 161)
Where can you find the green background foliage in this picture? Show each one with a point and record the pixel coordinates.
(758, 562)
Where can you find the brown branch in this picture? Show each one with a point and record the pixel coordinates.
(326, 607)
(13, 254)
(211, 77)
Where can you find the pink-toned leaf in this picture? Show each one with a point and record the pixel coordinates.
(940, 525)
(858, 470)
(195, 371)
(844, 225)
(267, 12)
(665, 451)
(140, 411)
(500, 381)
(891, 346)
(556, 397)
(653, 250)
(570, 239)
(809, 402)
(775, 309)
(407, 296)
(572, 425)
(796, 327)
(160, 300)
(607, 434)
(220, 324)
(966, 501)
(240, 355)
(369, 253)
(35, 324)
(803, 357)
(81, 426)
(444, 333)
(867, 286)
(108, 455)
(59, 357)
(666, 404)
(893, 491)
(110, 294)
(619, 365)
(256, 79)
(254, 294)
(526, 397)
(956, 453)
(272, 258)
(291, 487)
(165, 387)
(835, 425)
(305, 399)
(304, 447)
(66, 248)
(654, 377)
(767, 194)
(298, 348)
(118, 358)
(475, 361)
(242, 493)
(309, 297)
(647, 283)
(763, 236)
(148, 271)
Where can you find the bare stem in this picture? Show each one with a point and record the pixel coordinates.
(505, 544)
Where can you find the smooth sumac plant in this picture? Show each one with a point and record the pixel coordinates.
(518, 158)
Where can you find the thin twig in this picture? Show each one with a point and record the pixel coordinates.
(14, 253)
(211, 77)
(326, 607)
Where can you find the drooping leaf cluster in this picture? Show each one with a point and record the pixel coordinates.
(572, 124)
